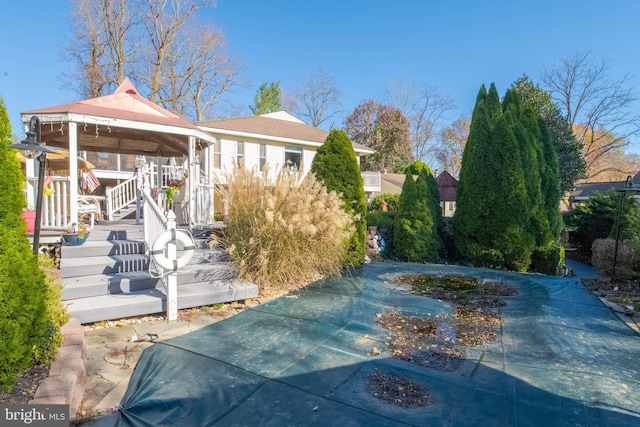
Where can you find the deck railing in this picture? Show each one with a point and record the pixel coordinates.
(55, 204)
(121, 196)
(372, 181)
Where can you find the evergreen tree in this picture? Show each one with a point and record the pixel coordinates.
(335, 164)
(567, 148)
(23, 314)
(268, 99)
(491, 214)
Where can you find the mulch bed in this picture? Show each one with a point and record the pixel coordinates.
(26, 386)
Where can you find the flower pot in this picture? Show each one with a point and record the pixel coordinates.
(74, 239)
(30, 218)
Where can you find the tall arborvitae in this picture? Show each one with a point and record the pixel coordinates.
(335, 164)
(551, 182)
(507, 202)
(23, 314)
(525, 127)
(491, 207)
(414, 228)
(468, 214)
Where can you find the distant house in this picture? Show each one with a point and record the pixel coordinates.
(392, 183)
(586, 190)
(448, 187)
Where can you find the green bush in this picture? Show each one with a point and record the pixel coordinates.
(283, 234)
(596, 219)
(548, 260)
(448, 251)
(393, 201)
(415, 236)
(380, 219)
(57, 315)
(336, 166)
(27, 335)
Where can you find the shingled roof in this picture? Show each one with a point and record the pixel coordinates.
(589, 189)
(448, 187)
(279, 126)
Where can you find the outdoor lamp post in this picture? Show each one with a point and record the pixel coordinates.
(628, 187)
(33, 149)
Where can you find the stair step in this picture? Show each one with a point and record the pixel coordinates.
(151, 301)
(74, 267)
(93, 248)
(110, 284)
(131, 233)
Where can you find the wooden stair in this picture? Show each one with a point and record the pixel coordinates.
(111, 277)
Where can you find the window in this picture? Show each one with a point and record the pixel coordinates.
(217, 154)
(240, 153)
(292, 157)
(263, 155)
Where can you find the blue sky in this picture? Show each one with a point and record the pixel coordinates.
(453, 45)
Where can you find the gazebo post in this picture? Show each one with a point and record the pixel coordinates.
(73, 172)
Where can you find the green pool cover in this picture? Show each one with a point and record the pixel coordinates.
(561, 358)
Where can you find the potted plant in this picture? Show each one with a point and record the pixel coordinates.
(76, 234)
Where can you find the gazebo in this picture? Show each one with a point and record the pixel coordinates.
(123, 123)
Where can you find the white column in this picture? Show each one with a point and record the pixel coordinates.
(73, 172)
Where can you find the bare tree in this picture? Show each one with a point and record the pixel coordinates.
(162, 21)
(216, 71)
(424, 108)
(599, 108)
(118, 23)
(316, 98)
(451, 142)
(184, 66)
(86, 50)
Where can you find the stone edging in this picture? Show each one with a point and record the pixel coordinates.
(67, 374)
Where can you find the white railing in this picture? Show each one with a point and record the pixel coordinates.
(55, 205)
(169, 173)
(204, 204)
(155, 223)
(372, 181)
(121, 196)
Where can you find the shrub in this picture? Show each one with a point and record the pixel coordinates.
(596, 219)
(415, 232)
(448, 251)
(285, 233)
(380, 219)
(602, 253)
(548, 260)
(56, 314)
(26, 334)
(336, 166)
(393, 202)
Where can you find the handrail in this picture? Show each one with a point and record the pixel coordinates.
(121, 196)
(155, 221)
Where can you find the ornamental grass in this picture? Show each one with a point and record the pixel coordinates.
(284, 230)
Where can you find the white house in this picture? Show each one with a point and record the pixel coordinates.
(276, 139)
